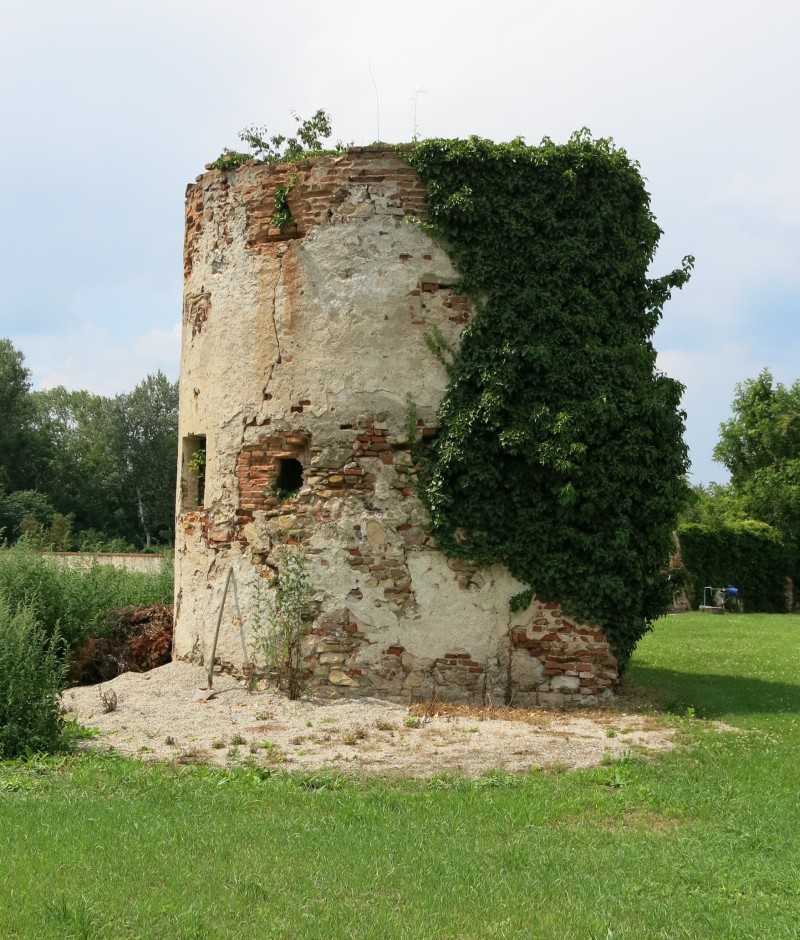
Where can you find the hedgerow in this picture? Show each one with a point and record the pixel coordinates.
(750, 555)
(561, 449)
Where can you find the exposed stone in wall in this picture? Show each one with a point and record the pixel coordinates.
(300, 348)
(559, 660)
(363, 182)
(195, 311)
(545, 659)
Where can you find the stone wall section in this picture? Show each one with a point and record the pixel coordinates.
(362, 182)
(303, 344)
(130, 561)
(544, 659)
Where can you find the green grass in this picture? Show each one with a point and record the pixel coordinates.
(742, 668)
(701, 843)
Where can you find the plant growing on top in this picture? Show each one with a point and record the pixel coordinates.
(307, 140)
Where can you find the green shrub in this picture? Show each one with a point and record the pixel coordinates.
(751, 555)
(78, 600)
(23, 511)
(32, 677)
(92, 540)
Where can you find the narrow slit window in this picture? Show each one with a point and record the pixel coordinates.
(194, 471)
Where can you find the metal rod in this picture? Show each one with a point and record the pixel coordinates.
(216, 632)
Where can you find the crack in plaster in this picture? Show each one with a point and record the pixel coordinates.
(275, 320)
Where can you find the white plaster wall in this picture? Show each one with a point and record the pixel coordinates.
(326, 318)
(344, 315)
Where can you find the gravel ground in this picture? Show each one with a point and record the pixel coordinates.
(158, 717)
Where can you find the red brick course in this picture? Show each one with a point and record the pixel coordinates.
(322, 191)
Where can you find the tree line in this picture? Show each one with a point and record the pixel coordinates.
(760, 447)
(80, 471)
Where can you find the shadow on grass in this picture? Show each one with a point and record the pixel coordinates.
(714, 696)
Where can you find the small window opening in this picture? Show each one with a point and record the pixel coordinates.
(290, 476)
(194, 471)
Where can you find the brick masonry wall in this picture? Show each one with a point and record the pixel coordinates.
(322, 191)
(547, 660)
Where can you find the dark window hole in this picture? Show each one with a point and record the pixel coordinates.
(290, 477)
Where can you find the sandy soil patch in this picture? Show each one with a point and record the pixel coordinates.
(157, 717)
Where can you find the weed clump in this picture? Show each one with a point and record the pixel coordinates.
(32, 678)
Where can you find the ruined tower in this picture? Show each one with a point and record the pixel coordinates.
(305, 374)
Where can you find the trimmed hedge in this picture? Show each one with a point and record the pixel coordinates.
(751, 555)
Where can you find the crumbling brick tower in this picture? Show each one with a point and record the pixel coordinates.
(301, 345)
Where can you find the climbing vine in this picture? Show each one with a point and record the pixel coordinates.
(561, 449)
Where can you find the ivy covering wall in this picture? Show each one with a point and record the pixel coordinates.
(561, 449)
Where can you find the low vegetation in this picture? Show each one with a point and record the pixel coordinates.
(32, 677)
(46, 611)
(76, 601)
(701, 842)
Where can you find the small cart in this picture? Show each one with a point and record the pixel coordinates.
(716, 600)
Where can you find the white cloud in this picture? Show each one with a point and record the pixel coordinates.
(710, 376)
(766, 199)
(96, 361)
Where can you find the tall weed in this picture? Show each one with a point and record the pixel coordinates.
(278, 635)
(77, 601)
(32, 677)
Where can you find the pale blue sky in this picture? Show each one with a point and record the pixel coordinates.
(109, 107)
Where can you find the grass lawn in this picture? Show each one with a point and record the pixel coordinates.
(703, 842)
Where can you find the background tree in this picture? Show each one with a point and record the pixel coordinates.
(16, 420)
(760, 446)
(144, 439)
(75, 455)
(24, 512)
(714, 505)
(83, 470)
(746, 532)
